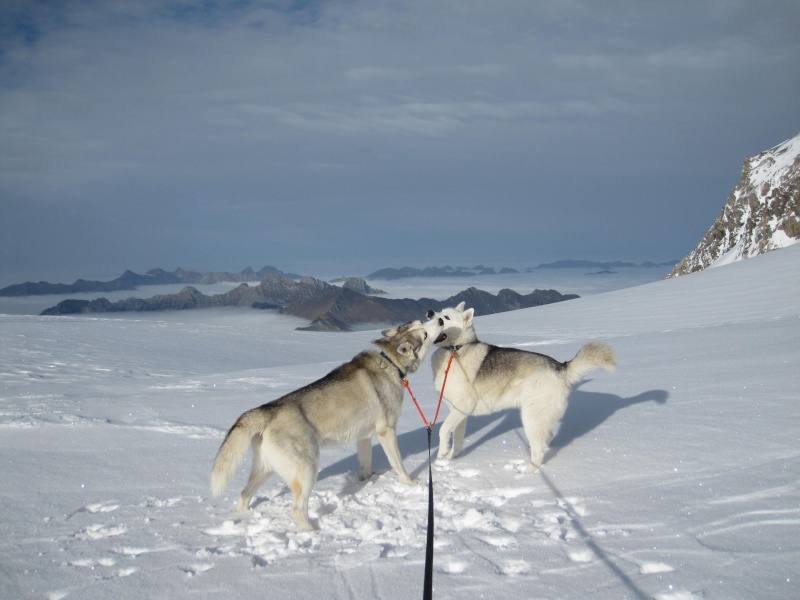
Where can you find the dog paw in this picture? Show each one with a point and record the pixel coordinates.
(243, 505)
(531, 468)
(303, 523)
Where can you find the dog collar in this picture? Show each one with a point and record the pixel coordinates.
(460, 346)
(391, 362)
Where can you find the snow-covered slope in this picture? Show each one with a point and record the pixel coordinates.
(761, 214)
(677, 477)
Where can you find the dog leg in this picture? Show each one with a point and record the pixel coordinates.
(365, 458)
(256, 480)
(296, 460)
(301, 490)
(259, 473)
(450, 425)
(538, 435)
(388, 440)
(458, 437)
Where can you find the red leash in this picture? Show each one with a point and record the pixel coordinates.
(441, 394)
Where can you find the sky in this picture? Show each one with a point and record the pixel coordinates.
(349, 135)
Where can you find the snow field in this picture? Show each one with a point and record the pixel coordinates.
(677, 477)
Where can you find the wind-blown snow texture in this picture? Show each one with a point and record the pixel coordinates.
(677, 477)
(761, 214)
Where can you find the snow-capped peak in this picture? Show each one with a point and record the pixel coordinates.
(761, 214)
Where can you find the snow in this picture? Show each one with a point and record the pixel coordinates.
(677, 477)
(781, 240)
(770, 166)
(756, 231)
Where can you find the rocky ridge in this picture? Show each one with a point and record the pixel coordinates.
(761, 214)
(327, 307)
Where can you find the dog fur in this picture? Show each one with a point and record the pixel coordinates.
(484, 379)
(355, 401)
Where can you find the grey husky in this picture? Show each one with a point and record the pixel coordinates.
(355, 401)
(484, 379)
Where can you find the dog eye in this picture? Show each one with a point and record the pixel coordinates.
(426, 336)
(446, 317)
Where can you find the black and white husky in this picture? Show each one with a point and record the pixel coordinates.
(484, 379)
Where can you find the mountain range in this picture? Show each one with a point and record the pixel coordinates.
(131, 281)
(328, 307)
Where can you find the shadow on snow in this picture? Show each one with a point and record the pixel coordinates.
(586, 411)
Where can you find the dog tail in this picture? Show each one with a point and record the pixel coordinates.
(590, 357)
(234, 447)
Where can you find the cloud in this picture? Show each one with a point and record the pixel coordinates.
(264, 116)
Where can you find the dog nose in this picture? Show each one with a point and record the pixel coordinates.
(430, 314)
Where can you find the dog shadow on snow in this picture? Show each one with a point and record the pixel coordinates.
(586, 411)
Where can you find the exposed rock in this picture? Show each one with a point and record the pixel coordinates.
(357, 284)
(761, 214)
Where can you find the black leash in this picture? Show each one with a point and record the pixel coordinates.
(427, 588)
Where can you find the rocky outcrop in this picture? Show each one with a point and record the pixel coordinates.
(357, 284)
(761, 214)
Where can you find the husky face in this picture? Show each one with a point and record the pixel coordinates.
(410, 342)
(456, 325)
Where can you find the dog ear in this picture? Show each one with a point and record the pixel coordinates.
(461, 305)
(389, 333)
(468, 314)
(405, 349)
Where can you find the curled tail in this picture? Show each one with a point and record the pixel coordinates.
(233, 449)
(590, 357)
